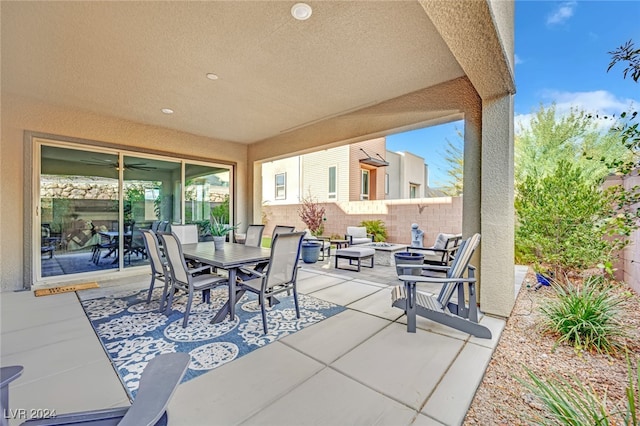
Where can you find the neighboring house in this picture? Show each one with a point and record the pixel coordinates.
(354, 172)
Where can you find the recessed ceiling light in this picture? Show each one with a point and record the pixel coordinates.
(301, 11)
(167, 111)
(212, 76)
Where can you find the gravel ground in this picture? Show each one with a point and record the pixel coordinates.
(502, 400)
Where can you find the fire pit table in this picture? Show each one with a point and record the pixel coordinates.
(384, 252)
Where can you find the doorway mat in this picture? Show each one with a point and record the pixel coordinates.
(64, 289)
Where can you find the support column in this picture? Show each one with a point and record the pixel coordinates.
(497, 295)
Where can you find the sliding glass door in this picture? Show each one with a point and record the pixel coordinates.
(94, 204)
(149, 187)
(206, 194)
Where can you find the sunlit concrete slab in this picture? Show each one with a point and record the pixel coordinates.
(404, 366)
(378, 304)
(346, 292)
(232, 393)
(450, 401)
(330, 398)
(328, 340)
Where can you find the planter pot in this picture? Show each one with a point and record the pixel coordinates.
(218, 242)
(409, 258)
(310, 251)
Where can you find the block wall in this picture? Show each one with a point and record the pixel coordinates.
(433, 215)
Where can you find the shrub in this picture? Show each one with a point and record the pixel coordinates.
(585, 316)
(564, 219)
(312, 214)
(376, 228)
(577, 405)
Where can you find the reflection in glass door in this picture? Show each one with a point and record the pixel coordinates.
(94, 204)
(78, 208)
(148, 200)
(207, 192)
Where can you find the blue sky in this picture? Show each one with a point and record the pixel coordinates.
(561, 51)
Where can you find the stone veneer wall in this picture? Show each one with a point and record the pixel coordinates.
(434, 215)
(79, 188)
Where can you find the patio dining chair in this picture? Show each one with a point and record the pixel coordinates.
(159, 268)
(158, 382)
(187, 234)
(182, 277)
(460, 314)
(279, 276)
(253, 236)
(281, 229)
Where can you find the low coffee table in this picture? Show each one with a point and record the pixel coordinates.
(385, 251)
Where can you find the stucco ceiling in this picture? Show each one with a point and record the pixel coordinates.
(276, 74)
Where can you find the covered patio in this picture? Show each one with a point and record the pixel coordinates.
(357, 367)
(248, 83)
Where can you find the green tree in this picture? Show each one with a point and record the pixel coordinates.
(572, 137)
(563, 219)
(454, 156)
(627, 129)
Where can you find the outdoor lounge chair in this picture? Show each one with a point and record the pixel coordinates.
(158, 382)
(7, 375)
(358, 235)
(441, 308)
(279, 276)
(442, 251)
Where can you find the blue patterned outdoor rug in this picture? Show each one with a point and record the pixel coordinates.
(133, 332)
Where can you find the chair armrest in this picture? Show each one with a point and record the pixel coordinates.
(434, 280)
(349, 238)
(251, 272)
(424, 267)
(198, 269)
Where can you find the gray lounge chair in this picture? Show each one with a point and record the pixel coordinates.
(7, 375)
(443, 250)
(158, 382)
(460, 314)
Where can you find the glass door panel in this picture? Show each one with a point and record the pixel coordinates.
(148, 202)
(78, 200)
(207, 192)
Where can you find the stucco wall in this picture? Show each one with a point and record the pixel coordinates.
(21, 114)
(434, 215)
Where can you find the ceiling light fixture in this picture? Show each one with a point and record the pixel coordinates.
(167, 111)
(301, 11)
(212, 76)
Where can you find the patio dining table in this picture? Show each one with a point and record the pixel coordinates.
(231, 258)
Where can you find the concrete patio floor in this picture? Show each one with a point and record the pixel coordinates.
(359, 367)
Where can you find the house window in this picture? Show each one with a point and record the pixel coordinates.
(333, 176)
(386, 183)
(281, 185)
(364, 185)
(414, 190)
